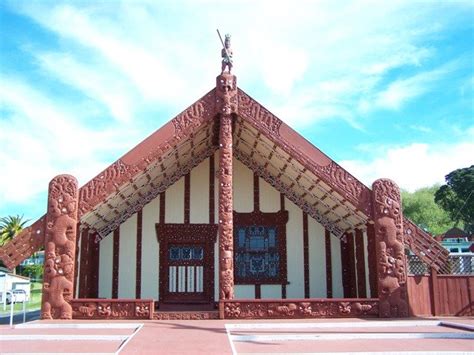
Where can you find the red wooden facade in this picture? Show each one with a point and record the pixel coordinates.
(231, 122)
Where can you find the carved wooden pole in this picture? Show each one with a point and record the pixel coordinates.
(390, 249)
(60, 248)
(226, 100)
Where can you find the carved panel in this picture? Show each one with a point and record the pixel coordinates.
(249, 108)
(96, 308)
(226, 269)
(300, 308)
(185, 315)
(25, 244)
(60, 248)
(390, 249)
(202, 110)
(226, 94)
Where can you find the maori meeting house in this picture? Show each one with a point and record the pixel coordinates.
(227, 212)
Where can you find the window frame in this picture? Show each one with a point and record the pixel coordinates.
(277, 220)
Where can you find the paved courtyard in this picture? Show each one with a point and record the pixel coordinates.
(348, 336)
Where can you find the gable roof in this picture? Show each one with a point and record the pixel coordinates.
(264, 143)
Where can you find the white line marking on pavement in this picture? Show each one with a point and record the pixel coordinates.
(232, 346)
(366, 324)
(62, 337)
(128, 339)
(345, 336)
(377, 353)
(78, 325)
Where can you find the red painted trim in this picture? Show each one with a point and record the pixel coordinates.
(138, 270)
(345, 268)
(212, 205)
(76, 259)
(258, 291)
(360, 264)
(115, 263)
(352, 275)
(256, 192)
(187, 197)
(95, 257)
(162, 207)
(84, 270)
(327, 244)
(306, 255)
(372, 260)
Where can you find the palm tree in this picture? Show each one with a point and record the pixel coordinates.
(10, 226)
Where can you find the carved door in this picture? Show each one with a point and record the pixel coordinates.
(186, 263)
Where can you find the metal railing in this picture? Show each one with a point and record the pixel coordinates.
(12, 303)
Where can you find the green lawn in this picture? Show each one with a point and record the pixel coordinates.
(34, 303)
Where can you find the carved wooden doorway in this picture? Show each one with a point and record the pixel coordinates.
(186, 263)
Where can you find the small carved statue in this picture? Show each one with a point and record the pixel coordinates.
(227, 54)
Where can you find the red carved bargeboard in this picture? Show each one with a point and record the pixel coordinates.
(99, 308)
(300, 308)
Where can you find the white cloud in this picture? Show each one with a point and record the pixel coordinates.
(42, 139)
(415, 165)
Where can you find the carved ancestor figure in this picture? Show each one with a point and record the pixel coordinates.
(58, 292)
(390, 249)
(60, 241)
(227, 54)
(226, 276)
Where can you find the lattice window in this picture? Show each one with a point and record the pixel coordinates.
(457, 264)
(257, 254)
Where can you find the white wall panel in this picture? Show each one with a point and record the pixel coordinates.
(128, 258)
(105, 266)
(150, 250)
(175, 202)
(337, 289)
(243, 187)
(317, 259)
(244, 291)
(270, 291)
(294, 245)
(269, 197)
(216, 271)
(199, 200)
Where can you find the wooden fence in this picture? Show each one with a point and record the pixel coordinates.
(441, 295)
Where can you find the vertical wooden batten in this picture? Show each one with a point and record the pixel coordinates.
(360, 264)
(115, 263)
(306, 255)
(138, 278)
(327, 240)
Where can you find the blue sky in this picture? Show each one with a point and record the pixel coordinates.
(384, 88)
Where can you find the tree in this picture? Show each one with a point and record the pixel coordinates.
(421, 208)
(10, 226)
(457, 197)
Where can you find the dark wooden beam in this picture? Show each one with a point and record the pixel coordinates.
(115, 263)
(360, 264)
(327, 244)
